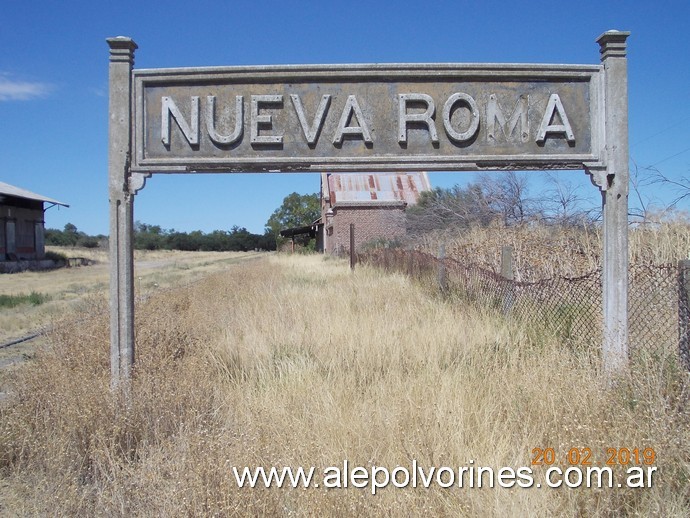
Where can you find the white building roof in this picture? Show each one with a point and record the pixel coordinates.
(10, 190)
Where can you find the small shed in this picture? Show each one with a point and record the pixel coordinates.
(374, 202)
(310, 230)
(22, 223)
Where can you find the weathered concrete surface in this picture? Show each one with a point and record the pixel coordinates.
(121, 211)
(615, 202)
(366, 117)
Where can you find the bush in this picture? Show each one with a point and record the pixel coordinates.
(12, 301)
(55, 256)
(89, 242)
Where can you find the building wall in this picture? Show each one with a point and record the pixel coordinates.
(371, 223)
(22, 231)
(374, 202)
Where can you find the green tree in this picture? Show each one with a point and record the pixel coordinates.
(297, 210)
(69, 236)
(55, 237)
(240, 239)
(149, 237)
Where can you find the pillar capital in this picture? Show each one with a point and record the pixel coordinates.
(122, 49)
(613, 44)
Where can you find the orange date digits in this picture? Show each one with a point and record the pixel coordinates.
(625, 456)
(579, 457)
(543, 456)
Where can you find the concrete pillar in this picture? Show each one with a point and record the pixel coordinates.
(615, 202)
(121, 213)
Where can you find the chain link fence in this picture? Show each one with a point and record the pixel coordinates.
(569, 308)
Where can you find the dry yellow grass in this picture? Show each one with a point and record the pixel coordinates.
(543, 252)
(66, 287)
(294, 361)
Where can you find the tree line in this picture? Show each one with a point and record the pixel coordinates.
(154, 237)
(296, 210)
(71, 236)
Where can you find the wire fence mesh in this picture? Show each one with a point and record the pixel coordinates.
(569, 308)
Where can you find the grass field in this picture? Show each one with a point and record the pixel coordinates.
(295, 361)
(66, 288)
(47, 296)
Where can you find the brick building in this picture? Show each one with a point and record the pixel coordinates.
(374, 202)
(21, 223)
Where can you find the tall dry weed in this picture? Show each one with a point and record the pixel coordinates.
(295, 361)
(544, 251)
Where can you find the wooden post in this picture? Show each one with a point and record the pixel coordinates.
(684, 312)
(507, 262)
(353, 255)
(442, 277)
(507, 274)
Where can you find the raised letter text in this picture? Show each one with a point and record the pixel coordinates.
(265, 121)
(494, 115)
(311, 133)
(352, 109)
(190, 131)
(425, 118)
(448, 108)
(216, 137)
(548, 125)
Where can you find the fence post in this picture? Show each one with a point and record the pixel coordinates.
(442, 280)
(684, 312)
(507, 262)
(352, 246)
(507, 274)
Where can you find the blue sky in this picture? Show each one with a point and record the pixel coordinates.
(54, 82)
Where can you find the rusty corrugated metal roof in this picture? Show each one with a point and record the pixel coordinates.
(368, 187)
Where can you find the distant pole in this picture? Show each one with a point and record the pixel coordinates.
(508, 276)
(442, 280)
(507, 262)
(353, 256)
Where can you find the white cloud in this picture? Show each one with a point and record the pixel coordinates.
(101, 91)
(14, 90)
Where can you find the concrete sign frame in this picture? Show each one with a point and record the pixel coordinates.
(431, 117)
